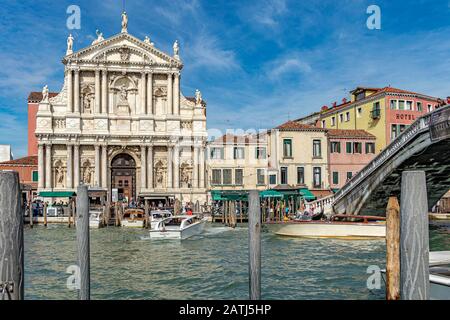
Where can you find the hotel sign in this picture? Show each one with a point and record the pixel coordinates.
(440, 124)
(402, 116)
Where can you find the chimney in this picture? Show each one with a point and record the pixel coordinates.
(448, 100)
(344, 101)
(324, 108)
(334, 104)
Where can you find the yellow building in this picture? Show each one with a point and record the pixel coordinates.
(383, 112)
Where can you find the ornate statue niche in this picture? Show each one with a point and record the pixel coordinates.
(87, 98)
(124, 90)
(160, 174)
(160, 94)
(185, 175)
(87, 172)
(59, 174)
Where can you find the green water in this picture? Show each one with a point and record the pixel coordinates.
(125, 264)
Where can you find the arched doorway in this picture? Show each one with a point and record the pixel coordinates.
(123, 176)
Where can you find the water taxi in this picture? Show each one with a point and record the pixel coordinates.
(133, 218)
(340, 227)
(178, 227)
(157, 215)
(440, 275)
(95, 219)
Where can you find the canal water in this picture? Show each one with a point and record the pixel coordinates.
(125, 264)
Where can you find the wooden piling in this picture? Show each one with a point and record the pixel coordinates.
(147, 216)
(393, 249)
(11, 238)
(83, 241)
(414, 237)
(254, 245)
(116, 214)
(45, 214)
(69, 209)
(241, 213)
(30, 205)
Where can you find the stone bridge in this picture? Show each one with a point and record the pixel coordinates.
(424, 146)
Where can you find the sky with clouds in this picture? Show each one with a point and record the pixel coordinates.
(257, 63)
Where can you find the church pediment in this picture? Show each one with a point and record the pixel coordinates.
(124, 48)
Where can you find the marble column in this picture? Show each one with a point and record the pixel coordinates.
(143, 90)
(77, 91)
(41, 177)
(97, 92)
(150, 168)
(69, 176)
(202, 168)
(169, 166)
(69, 91)
(48, 166)
(143, 168)
(76, 165)
(176, 94)
(195, 173)
(176, 169)
(150, 93)
(104, 166)
(97, 165)
(104, 91)
(169, 94)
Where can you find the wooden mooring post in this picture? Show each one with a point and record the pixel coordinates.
(254, 245)
(45, 214)
(11, 238)
(414, 237)
(393, 250)
(83, 241)
(30, 206)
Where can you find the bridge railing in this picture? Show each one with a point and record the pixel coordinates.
(396, 145)
(326, 203)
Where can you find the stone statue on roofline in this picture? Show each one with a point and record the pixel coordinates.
(176, 49)
(69, 44)
(99, 37)
(148, 41)
(45, 94)
(198, 97)
(124, 22)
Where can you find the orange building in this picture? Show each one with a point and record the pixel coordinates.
(27, 168)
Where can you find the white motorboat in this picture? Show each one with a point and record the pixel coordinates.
(177, 227)
(440, 275)
(439, 262)
(158, 215)
(95, 219)
(133, 218)
(349, 230)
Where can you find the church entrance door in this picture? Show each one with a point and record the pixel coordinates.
(123, 176)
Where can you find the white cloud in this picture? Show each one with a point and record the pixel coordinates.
(287, 65)
(205, 51)
(268, 12)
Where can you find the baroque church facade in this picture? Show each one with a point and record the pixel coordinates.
(121, 124)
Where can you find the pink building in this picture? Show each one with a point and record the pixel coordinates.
(349, 152)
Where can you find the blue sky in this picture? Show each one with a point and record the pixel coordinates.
(257, 63)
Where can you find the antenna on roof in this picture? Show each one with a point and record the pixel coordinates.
(123, 5)
(289, 116)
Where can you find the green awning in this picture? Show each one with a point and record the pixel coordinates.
(307, 194)
(57, 194)
(270, 194)
(220, 195)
